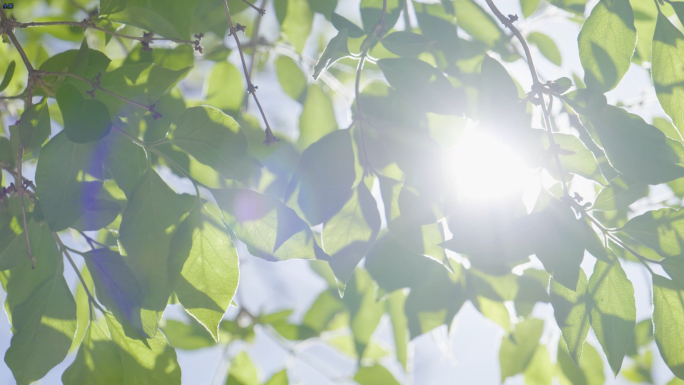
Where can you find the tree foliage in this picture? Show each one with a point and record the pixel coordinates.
(375, 207)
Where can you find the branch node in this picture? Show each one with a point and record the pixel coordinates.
(91, 93)
(270, 138)
(251, 88)
(512, 19)
(146, 41)
(155, 115)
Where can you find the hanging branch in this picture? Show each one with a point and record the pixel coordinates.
(254, 42)
(537, 87)
(145, 40)
(251, 88)
(96, 85)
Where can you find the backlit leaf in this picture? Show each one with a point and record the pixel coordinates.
(569, 308)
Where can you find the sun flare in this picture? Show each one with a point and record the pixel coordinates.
(481, 168)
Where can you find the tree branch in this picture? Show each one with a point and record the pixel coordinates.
(253, 43)
(65, 251)
(251, 88)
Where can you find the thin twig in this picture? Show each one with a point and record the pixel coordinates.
(253, 43)
(96, 85)
(537, 86)
(260, 10)
(251, 88)
(407, 17)
(65, 250)
(91, 241)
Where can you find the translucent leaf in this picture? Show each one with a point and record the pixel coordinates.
(336, 49)
(318, 117)
(291, 78)
(150, 361)
(577, 159)
(185, 336)
(668, 316)
(125, 160)
(606, 44)
(8, 75)
(374, 375)
(619, 194)
(145, 237)
(323, 310)
(270, 229)
(117, 288)
(540, 370)
(340, 23)
(97, 361)
(570, 311)
(225, 89)
(324, 179)
(395, 304)
(613, 311)
(365, 311)
(204, 268)
(478, 23)
(214, 139)
(84, 120)
(662, 230)
(325, 7)
(546, 46)
(668, 75)
(242, 371)
(519, 347)
(60, 180)
(156, 16)
(279, 378)
(636, 148)
(404, 43)
(371, 13)
(588, 372)
(44, 322)
(82, 309)
(528, 7)
(350, 233)
(298, 22)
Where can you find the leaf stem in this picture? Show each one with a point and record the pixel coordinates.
(251, 88)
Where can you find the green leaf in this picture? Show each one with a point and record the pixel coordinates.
(637, 149)
(270, 229)
(365, 311)
(606, 44)
(588, 372)
(97, 214)
(44, 323)
(97, 361)
(150, 361)
(225, 89)
(668, 316)
(613, 311)
(340, 23)
(528, 7)
(60, 179)
(125, 160)
(117, 288)
(8, 75)
(185, 336)
(242, 371)
(478, 23)
(16, 251)
(546, 46)
(336, 49)
(82, 309)
(324, 7)
(619, 194)
(404, 43)
(145, 239)
(292, 79)
(324, 178)
(518, 348)
(214, 139)
(661, 230)
(204, 268)
(112, 6)
(298, 22)
(84, 120)
(577, 158)
(540, 370)
(279, 378)
(317, 119)
(374, 375)
(155, 16)
(371, 13)
(350, 233)
(570, 311)
(396, 304)
(668, 76)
